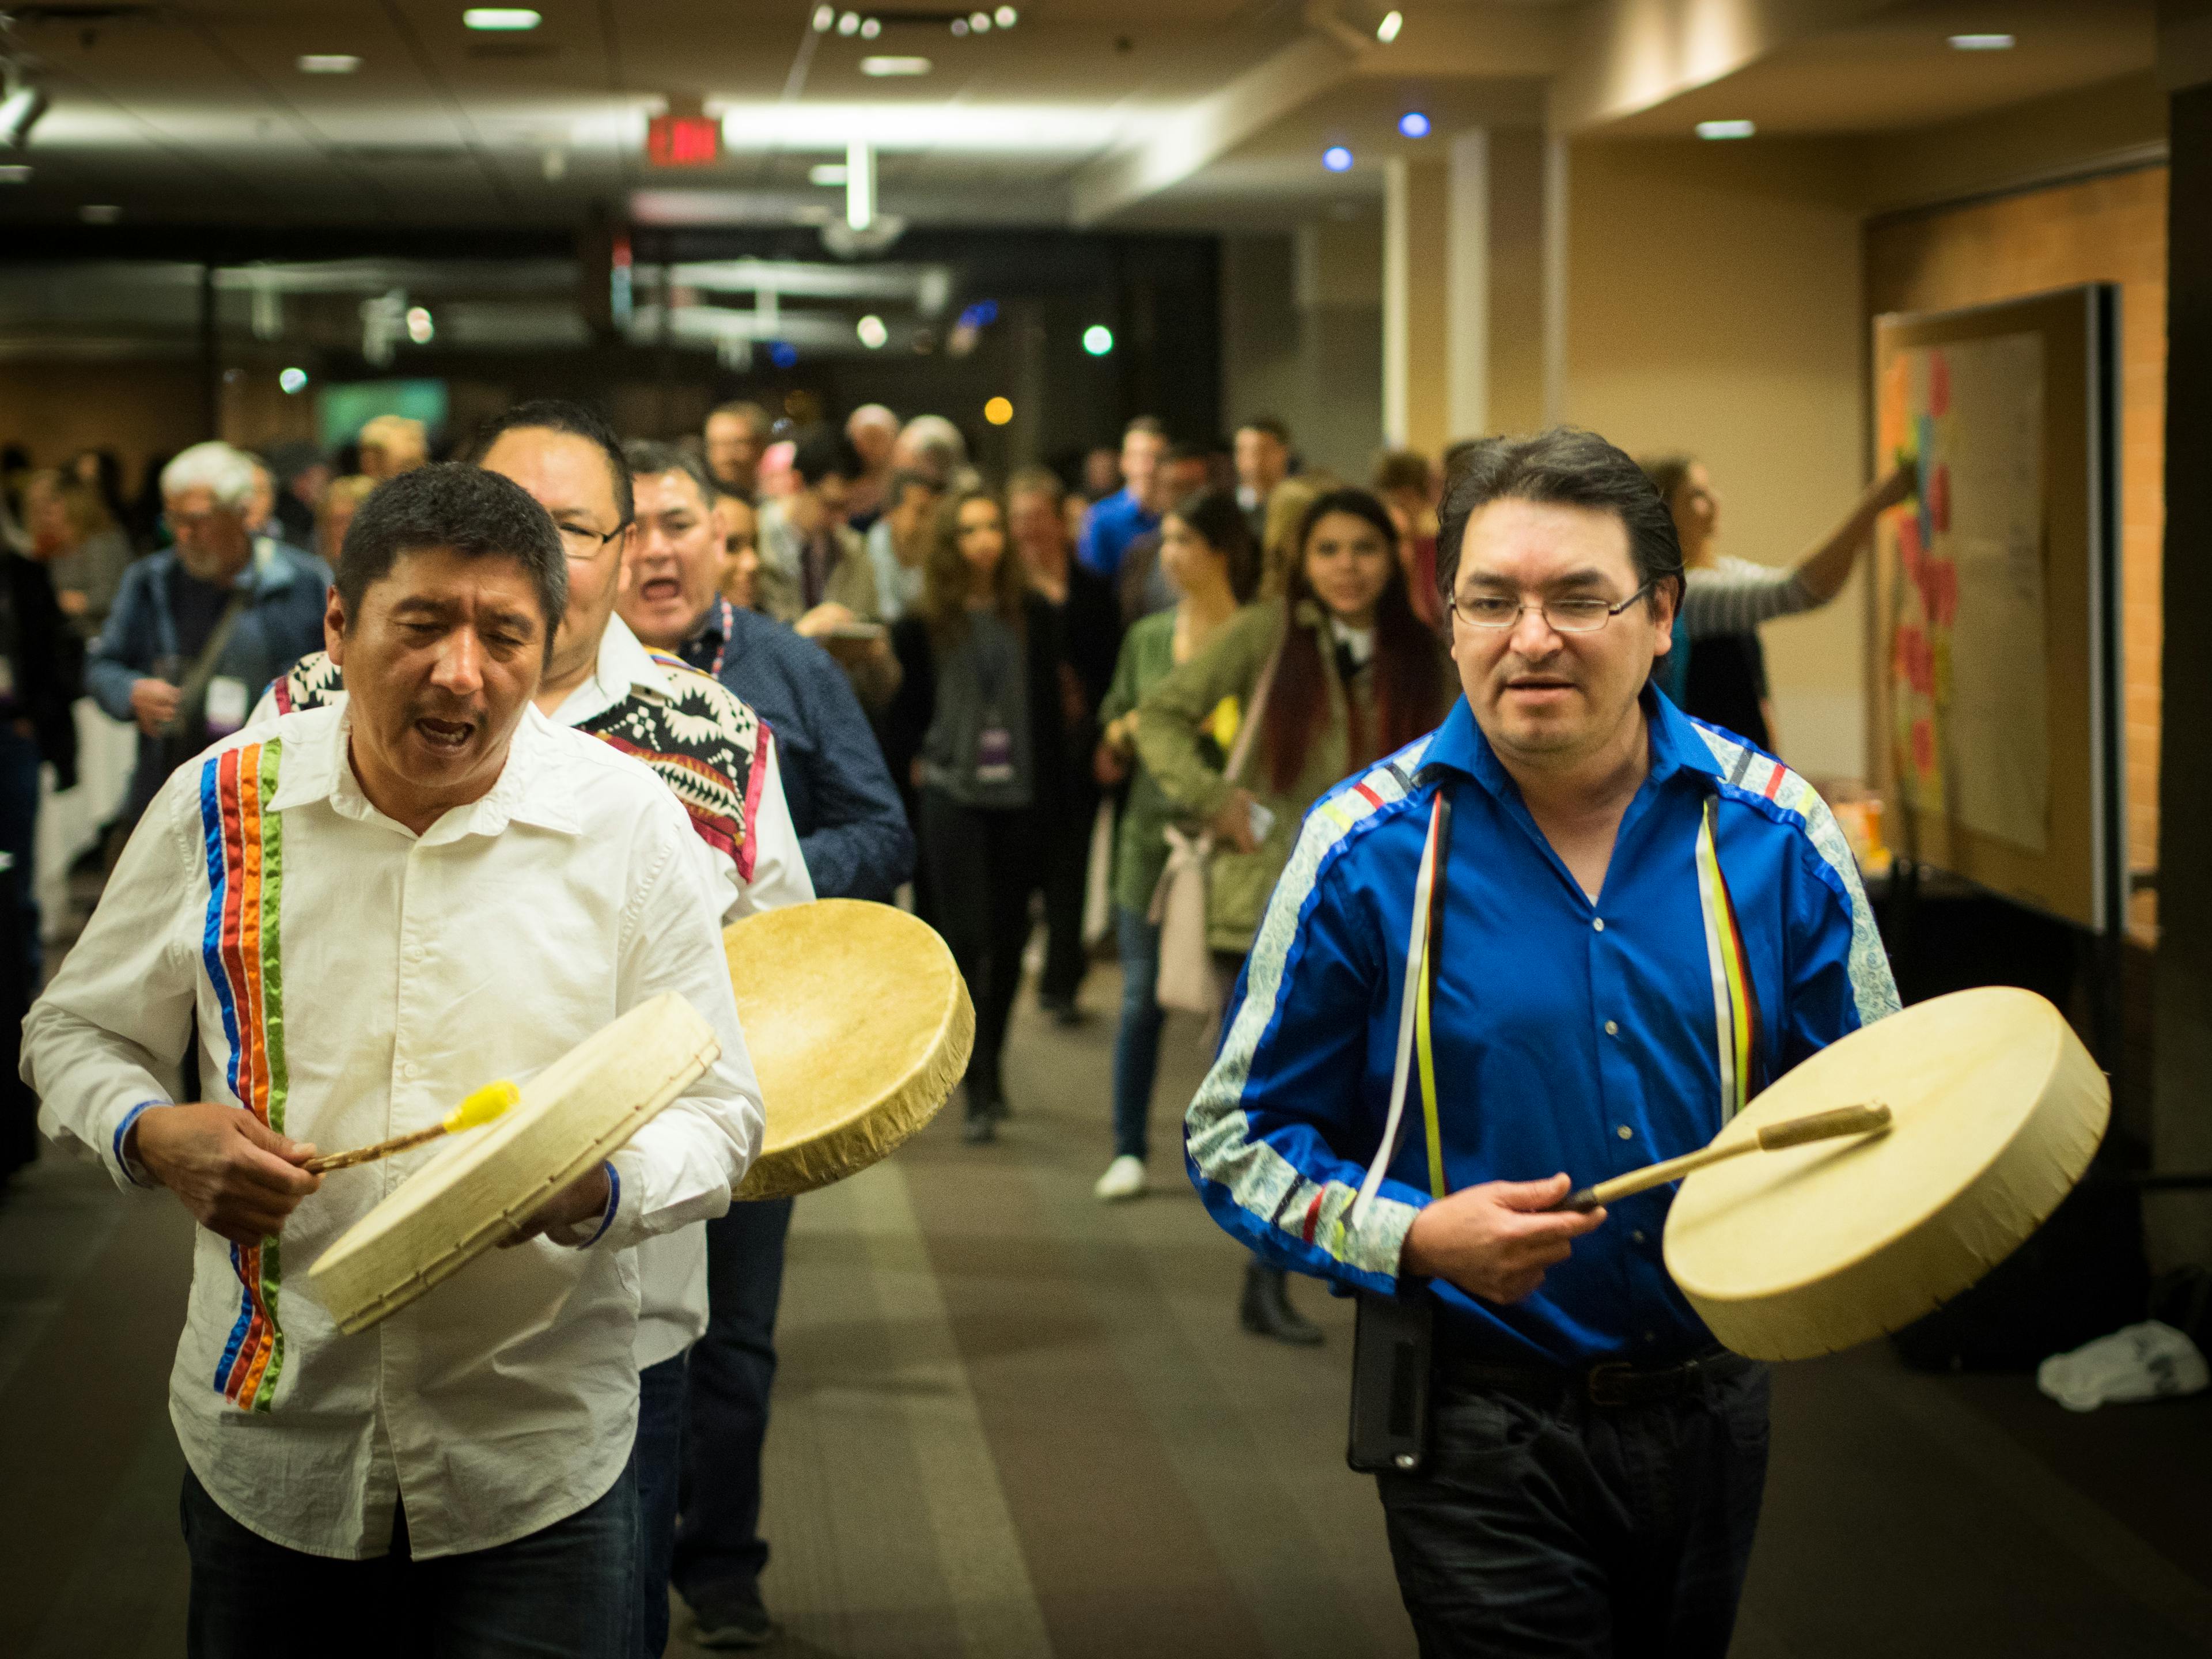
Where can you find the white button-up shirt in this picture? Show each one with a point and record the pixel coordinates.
(352, 980)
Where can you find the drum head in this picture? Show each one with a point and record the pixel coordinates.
(490, 1181)
(858, 1028)
(1997, 1109)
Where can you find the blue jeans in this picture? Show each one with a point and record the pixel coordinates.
(660, 1464)
(567, 1591)
(1554, 1528)
(1137, 1045)
(717, 1547)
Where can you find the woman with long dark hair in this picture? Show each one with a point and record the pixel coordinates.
(1344, 673)
(977, 726)
(1208, 556)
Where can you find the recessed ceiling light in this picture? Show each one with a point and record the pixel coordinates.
(826, 172)
(500, 17)
(328, 62)
(1386, 31)
(103, 213)
(960, 26)
(980, 22)
(1006, 17)
(870, 27)
(1337, 159)
(1982, 42)
(293, 381)
(1726, 129)
(880, 66)
(849, 24)
(826, 19)
(1413, 125)
(998, 410)
(871, 332)
(1098, 339)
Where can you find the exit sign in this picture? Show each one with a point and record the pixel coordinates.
(683, 141)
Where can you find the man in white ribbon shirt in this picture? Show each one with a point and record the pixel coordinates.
(719, 760)
(370, 910)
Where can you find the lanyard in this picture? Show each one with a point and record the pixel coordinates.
(1736, 1000)
(729, 623)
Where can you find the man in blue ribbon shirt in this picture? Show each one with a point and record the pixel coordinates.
(1639, 920)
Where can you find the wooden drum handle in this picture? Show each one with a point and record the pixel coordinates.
(1792, 1132)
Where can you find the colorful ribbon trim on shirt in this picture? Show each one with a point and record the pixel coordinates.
(1735, 998)
(240, 950)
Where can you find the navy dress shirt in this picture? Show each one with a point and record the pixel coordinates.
(1570, 1034)
(852, 830)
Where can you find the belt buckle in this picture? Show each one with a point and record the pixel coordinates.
(1600, 1381)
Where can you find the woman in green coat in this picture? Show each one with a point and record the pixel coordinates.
(1207, 555)
(1344, 673)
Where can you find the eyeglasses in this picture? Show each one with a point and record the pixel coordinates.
(584, 542)
(1496, 612)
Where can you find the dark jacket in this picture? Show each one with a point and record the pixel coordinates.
(47, 663)
(282, 622)
(907, 721)
(852, 831)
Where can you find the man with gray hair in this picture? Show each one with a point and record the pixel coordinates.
(874, 431)
(931, 444)
(197, 631)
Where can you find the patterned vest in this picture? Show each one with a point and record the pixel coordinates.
(704, 742)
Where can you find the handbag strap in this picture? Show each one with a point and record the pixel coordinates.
(1255, 712)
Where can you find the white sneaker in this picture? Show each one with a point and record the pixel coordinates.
(1124, 1178)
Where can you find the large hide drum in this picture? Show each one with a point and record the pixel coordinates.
(858, 1028)
(491, 1181)
(1997, 1109)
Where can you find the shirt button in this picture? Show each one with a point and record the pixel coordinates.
(1624, 1131)
(1598, 922)
(1612, 1029)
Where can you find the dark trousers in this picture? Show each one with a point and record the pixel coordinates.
(981, 864)
(1067, 874)
(567, 1591)
(1554, 1528)
(719, 1548)
(1137, 1043)
(659, 1465)
(19, 838)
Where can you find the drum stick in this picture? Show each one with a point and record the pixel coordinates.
(480, 1107)
(1791, 1132)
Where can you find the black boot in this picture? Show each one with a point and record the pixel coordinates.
(1266, 1309)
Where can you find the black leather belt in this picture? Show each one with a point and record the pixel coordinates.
(1616, 1383)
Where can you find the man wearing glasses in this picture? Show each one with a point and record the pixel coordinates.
(1629, 923)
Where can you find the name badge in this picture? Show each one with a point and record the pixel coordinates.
(227, 703)
(994, 755)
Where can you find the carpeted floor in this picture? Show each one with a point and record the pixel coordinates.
(1011, 1421)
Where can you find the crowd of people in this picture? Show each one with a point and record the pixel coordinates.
(1097, 700)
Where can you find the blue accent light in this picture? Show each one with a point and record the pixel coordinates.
(1337, 159)
(1413, 125)
(783, 354)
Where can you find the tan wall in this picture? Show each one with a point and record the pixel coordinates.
(2111, 229)
(137, 409)
(1713, 306)
(1516, 280)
